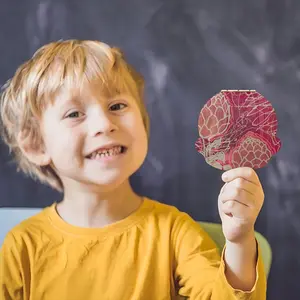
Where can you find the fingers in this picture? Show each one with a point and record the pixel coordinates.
(241, 183)
(244, 172)
(240, 198)
(239, 195)
(240, 190)
(235, 209)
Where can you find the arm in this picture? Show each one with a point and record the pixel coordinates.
(240, 262)
(240, 202)
(11, 284)
(200, 272)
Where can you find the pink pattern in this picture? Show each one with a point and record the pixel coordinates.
(237, 129)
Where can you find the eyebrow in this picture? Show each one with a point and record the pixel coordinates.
(79, 100)
(64, 101)
(69, 101)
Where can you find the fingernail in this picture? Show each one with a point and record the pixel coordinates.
(224, 176)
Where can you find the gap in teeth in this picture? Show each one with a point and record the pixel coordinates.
(109, 152)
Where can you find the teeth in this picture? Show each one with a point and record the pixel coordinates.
(107, 152)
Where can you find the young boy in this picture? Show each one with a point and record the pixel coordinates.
(74, 118)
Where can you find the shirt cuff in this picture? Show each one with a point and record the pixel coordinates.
(259, 287)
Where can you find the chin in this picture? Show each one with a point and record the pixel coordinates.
(107, 187)
(108, 182)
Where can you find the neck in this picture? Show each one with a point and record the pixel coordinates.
(98, 209)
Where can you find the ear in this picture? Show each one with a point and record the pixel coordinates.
(34, 150)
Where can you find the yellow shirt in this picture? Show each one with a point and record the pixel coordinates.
(149, 255)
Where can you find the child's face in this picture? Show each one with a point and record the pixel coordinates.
(78, 124)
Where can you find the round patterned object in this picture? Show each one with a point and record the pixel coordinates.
(237, 128)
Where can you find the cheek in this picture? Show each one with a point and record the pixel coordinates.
(137, 127)
(63, 144)
(134, 126)
(140, 138)
(134, 120)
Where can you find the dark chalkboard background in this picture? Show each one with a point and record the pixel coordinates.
(188, 51)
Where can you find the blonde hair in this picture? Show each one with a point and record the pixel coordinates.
(53, 66)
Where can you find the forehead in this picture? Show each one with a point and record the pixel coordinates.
(64, 82)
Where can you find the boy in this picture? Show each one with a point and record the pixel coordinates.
(74, 118)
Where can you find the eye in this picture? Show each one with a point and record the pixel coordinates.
(74, 115)
(118, 106)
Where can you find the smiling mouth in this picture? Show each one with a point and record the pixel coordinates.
(106, 153)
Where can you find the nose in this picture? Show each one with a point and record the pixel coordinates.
(101, 122)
